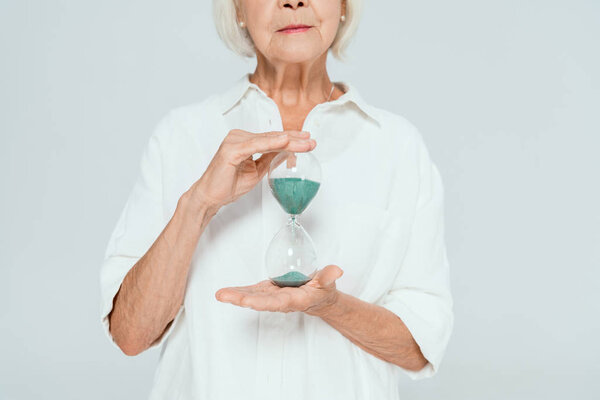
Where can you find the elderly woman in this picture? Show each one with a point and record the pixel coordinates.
(182, 263)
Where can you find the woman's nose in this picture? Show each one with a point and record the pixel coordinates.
(294, 3)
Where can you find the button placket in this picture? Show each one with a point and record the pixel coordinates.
(270, 340)
(273, 326)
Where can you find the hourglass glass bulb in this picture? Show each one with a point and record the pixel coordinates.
(294, 179)
(291, 256)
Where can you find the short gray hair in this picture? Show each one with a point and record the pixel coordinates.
(239, 41)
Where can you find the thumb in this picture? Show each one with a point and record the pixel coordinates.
(263, 162)
(328, 275)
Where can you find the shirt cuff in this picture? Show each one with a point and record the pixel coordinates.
(114, 270)
(431, 341)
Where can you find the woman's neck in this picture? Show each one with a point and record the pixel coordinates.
(295, 86)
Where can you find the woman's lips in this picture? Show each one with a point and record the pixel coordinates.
(294, 29)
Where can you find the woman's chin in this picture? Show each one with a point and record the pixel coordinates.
(293, 54)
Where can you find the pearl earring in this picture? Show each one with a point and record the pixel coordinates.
(242, 24)
(343, 18)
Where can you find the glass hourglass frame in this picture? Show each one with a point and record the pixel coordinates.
(294, 180)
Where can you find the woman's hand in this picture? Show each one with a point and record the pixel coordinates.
(372, 327)
(232, 171)
(313, 298)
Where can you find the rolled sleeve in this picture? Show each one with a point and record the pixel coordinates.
(421, 294)
(140, 223)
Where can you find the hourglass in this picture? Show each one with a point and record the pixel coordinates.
(294, 179)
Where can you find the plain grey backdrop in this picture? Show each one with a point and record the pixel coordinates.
(506, 94)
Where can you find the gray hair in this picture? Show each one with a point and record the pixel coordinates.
(239, 41)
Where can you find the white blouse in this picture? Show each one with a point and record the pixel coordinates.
(378, 214)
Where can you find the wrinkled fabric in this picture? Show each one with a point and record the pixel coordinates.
(379, 215)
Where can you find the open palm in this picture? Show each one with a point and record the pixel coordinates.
(311, 298)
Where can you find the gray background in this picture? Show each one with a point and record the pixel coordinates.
(506, 94)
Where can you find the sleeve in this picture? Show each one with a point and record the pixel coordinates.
(420, 294)
(139, 224)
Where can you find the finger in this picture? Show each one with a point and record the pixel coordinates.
(229, 295)
(258, 302)
(328, 275)
(291, 161)
(263, 163)
(236, 293)
(292, 144)
(278, 301)
(253, 300)
(266, 144)
(266, 286)
(289, 132)
(240, 136)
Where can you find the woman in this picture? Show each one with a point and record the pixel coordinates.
(181, 262)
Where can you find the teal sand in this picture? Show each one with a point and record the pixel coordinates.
(292, 278)
(294, 194)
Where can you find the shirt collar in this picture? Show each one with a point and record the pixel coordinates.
(232, 96)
